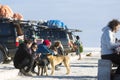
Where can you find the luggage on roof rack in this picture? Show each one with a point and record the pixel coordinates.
(56, 24)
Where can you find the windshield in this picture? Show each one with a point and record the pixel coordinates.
(51, 34)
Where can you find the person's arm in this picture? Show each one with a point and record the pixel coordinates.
(48, 51)
(60, 51)
(110, 41)
(44, 50)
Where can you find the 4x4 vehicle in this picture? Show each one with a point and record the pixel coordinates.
(7, 41)
(9, 31)
(57, 30)
(53, 34)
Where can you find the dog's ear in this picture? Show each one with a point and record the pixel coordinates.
(49, 56)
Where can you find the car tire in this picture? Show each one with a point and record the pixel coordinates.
(2, 57)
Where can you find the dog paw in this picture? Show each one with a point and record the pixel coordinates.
(38, 74)
(51, 73)
(67, 73)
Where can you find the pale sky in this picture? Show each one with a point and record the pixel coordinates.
(90, 16)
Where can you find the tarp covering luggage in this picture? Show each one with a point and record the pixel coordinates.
(56, 24)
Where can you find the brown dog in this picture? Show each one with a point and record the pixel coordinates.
(55, 60)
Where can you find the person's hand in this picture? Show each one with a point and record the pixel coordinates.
(118, 41)
(118, 50)
(75, 47)
(39, 54)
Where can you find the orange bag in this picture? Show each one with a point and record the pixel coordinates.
(17, 16)
(5, 11)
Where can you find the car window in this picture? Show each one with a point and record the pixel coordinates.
(62, 34)
(52, 34)
(70, 36)
(59, 34)
(43, 34)
(6, 29)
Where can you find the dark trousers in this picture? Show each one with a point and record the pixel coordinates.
(115, 58)
(26, 63)
(34, 65)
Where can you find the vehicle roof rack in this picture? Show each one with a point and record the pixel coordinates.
(74, 30)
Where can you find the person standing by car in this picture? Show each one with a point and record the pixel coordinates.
(78, 47)
(20, 35)
(108, 43)
(23, 59)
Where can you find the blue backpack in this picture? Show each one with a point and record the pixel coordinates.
(56, 24)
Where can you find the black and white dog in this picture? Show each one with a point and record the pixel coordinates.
(42, 64)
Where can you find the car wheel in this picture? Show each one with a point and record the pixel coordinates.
(2, 58)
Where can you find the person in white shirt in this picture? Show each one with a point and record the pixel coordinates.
(108, 43)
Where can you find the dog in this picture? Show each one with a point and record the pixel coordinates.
(42, 64)
(55, 60)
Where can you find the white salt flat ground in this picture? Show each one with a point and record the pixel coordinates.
(85, 69)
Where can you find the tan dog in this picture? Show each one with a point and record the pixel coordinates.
(55, 60)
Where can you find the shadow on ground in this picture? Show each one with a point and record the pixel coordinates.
(68, 77)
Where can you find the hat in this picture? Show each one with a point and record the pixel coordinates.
(46, 42)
